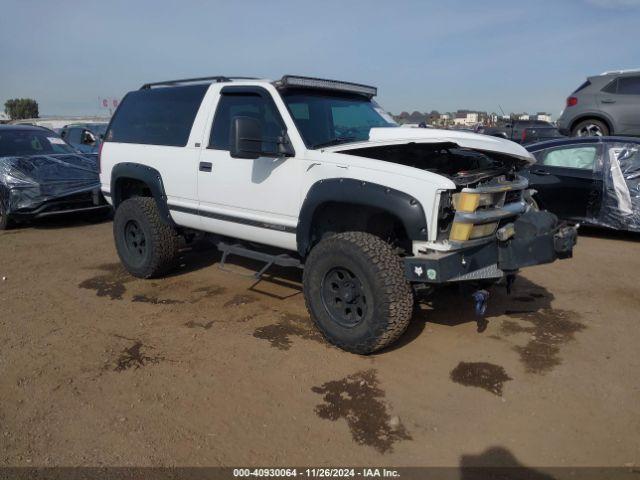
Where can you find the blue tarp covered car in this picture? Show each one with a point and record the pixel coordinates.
(41, 175)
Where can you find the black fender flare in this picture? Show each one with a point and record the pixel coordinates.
(356, 192)
(150, 176)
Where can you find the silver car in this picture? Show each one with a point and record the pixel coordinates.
(606, 104)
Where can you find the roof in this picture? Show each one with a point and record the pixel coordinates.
(23, 127)
(85, 124)
(287, 81)
(621, 72)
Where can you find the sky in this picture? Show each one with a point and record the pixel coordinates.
(422, 55)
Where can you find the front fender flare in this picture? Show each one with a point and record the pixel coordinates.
(356, 192)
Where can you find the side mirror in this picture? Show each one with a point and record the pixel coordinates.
(285, 149)
(246, 138)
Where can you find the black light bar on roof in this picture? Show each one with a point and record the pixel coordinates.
(321, 83)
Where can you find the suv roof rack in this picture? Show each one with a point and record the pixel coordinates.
(218, 79)
(611, 72)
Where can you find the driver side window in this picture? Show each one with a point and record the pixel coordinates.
(578, 157)
(245, 105)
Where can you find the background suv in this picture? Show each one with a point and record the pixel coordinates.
(605, 104)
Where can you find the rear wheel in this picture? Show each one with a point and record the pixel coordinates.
(147, 246)
(356, 292)
(590, 128)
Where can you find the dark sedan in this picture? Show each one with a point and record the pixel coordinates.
(592, 180)
(42, 175)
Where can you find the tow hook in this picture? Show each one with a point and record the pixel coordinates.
(480, 298)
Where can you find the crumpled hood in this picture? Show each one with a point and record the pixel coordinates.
(26, 182)
(474, 141)
(47, 169)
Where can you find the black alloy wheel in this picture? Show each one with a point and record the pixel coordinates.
(343, 297)
(135, 241)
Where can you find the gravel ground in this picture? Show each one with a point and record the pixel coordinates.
(205, 368)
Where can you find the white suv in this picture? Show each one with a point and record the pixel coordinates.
(316, 173)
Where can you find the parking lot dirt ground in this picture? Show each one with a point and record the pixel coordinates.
(205, 368)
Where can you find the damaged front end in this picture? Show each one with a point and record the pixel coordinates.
(488, 231)
(486, 227)
(42, 185)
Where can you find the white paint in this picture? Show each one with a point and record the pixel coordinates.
(271, 190)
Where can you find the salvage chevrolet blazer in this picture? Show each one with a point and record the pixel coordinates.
(313, 173)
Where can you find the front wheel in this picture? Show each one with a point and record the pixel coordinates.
(356, 292)
(147, 246)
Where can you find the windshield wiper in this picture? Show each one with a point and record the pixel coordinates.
(334, 141)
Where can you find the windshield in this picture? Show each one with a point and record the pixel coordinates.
(31, 142)
(330, 118)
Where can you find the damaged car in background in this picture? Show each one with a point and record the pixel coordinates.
(592, 180)
(41, 175)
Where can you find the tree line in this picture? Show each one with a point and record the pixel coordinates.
(19, 108)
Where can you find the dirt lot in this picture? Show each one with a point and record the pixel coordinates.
(202, 368)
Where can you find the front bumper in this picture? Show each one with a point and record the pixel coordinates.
(87, 201)
(544, 243)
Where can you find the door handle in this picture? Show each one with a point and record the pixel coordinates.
(608, 100)
(205, 166)
(538, 171)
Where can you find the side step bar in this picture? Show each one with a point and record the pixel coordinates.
(282, 259)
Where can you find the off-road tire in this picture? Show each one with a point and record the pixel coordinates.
(380, 273)
(161, 240)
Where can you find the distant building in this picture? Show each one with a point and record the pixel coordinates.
(545, 117)
(523, 116)
(4, 118)
(466, 119)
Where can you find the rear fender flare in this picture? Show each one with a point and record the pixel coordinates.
(150, 176)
